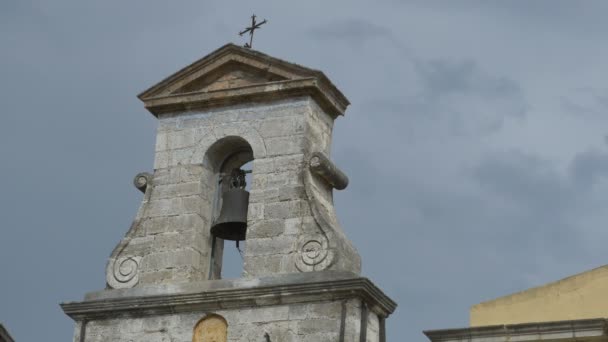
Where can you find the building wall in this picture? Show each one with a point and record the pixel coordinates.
(314, 322)
(170, 240)
(580, 296)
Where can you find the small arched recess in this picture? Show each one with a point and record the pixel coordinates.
(212, 328)
(221, 158)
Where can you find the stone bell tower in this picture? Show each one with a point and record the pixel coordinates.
(300, 279)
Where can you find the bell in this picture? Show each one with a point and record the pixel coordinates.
(232, 222)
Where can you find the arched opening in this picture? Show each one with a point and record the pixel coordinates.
(212, 328)
(230, 161)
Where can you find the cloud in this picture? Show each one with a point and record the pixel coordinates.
(586, 102)
(447, 99)
(542, 203)
(350, 30)
(527, 180)
(589, 167)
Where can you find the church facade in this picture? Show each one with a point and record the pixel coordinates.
(235, 109)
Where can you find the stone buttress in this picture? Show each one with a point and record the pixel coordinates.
(300, 279)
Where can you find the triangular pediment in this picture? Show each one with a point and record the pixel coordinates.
(228, 76)
(233, 73)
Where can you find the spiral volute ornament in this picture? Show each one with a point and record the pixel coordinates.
(313, 253)
(142, 180)
(124, 272)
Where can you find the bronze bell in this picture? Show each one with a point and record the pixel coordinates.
(232, 222)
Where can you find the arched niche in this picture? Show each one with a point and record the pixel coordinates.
(228, 152)
(212, 328)
(221, 158)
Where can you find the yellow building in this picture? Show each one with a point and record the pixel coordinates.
(571, 309)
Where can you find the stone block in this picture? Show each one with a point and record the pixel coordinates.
(166, 176)
(167, 123)
(263, 166)
(315, 326)
(191, 173)
(176, 206)
(182, 156)
(259, 180)
(298, 312)
(292, 226)
(255, 212)
(293, 192)
(319, 337)
(283, 210)
(283, 179)
(176, 223)
(269, 264)
(140, 245)
(280, 127)
(177, 190)
(265, 315)
(331, 310)
(284, 145)
(267, 195)
(270, 246)
(288, 163)
(193, 204)
(278, 331)
(172, 275)
(278, 109)
(172, 259)
(176, 240)
(161, 142)
(265, 229)
(161, 160)
(182, 138)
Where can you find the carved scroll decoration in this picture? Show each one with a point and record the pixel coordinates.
(124, 272)
(326, 169)
(316, 252)
(142, 180)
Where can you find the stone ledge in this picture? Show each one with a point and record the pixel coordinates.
(252, 93)
(231, 294)
(575, 330)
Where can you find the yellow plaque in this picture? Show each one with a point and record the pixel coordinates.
(212, 328)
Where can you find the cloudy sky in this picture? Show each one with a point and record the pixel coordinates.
(476, 142)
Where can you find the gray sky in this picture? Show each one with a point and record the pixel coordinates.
(476, 142)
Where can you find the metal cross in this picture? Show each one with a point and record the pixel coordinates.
(250, 29)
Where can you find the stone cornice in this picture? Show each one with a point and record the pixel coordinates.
(159, 98)
(574, 330)
(123, 303)
(254, 93)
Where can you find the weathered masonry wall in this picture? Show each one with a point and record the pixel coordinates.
(291, 223)
(315, 322)
(314, 306)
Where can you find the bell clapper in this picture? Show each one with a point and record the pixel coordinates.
(239, 249)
